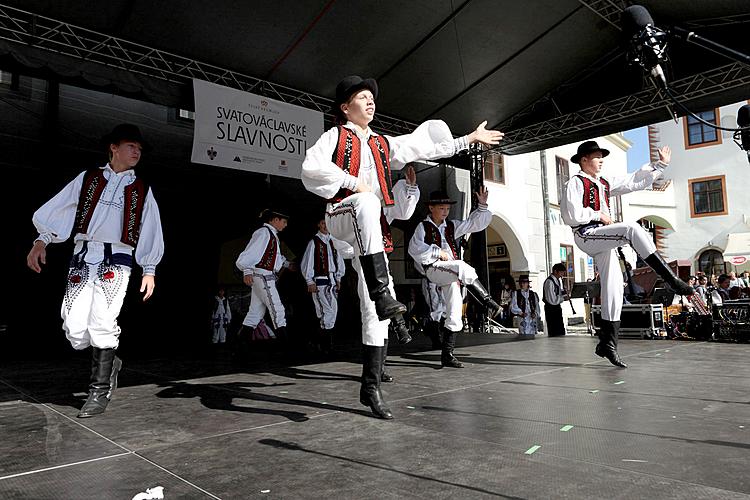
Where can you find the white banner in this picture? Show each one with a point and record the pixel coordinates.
(237, 129)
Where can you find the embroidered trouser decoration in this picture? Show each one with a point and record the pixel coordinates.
(433, 295)
(601, 243)
(92, 303)
(449, 275)
(326, 305)
(264, 298)
(356, 220)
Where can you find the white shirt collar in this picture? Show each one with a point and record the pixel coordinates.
(354, 128)
(595, 179)
(108, 167)
(269, 226)
(323, 236)
(433, 222)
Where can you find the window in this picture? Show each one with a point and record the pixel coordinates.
(566, 257)
(711, 262)
(698, 134)
(708, 196)
(563, 175)
(6, 78)
(494, 168)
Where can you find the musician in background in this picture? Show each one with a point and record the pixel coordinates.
(553, 295)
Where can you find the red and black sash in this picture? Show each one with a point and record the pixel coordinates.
(268, 259)
(591, 192)
(347, 157)
(432, 235)
(321, 266)
(385, 228)
(93, 186)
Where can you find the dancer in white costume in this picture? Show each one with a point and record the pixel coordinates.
(350, 165)
(113, 216)
(525, 304)
(586, 208)
(434, 248)
(220, 318)
(323, 267)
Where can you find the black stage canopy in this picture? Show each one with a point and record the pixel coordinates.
(548, 72)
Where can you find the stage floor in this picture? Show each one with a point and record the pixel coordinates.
(539, 418)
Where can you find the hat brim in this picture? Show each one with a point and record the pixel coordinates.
(112, 139)
(441, 202)
(576, 158)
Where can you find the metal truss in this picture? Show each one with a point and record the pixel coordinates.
(609, 10)
(29, 29)
(704, 84)
(718, 21)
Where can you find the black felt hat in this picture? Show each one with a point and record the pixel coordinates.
(524, 278)
(440, 198)
(349, 86)
(125, 132)
(587, 148)
(269, 213)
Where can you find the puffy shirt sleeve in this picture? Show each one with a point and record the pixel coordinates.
(307, 264)
(405, 199)
(638, 180)
(478, 220)
(340, 260)
(54, 220)
(430, 141)
(319, 174)
(253, 251)
(420, 251)
(571, 207)
(514, 304)
(150, 248)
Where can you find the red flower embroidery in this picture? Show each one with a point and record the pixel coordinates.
(75, 279)
(109, 275)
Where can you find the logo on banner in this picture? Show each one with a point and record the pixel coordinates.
(211, 153)
(237, 158)
(738, 260)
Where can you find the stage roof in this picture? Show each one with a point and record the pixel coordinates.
(548, 72)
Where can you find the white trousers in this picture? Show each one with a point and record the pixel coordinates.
(93, 299)
(433, 295)
(601, 243)
(356, 220)
(326, 305)
(220, 332)
(264, 298)
(449, 275)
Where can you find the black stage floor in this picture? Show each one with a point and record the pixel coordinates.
(676, 424)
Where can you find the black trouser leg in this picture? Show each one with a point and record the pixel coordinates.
(449, 343)
(375, 271)
(105, 366)
(369, 393)
(657, 263)
(432, 330)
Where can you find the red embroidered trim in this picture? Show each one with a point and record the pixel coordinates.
(135, 198)
(94, 183)
(591, 193)
(385, 229)
(268, 259)
(381, 154)
(432, 236)
(347, 157)
(320, 264)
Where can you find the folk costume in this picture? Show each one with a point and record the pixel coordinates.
(525, 305)
(220, 319)
(586, 199)
(553, 295)
(114, 219)
(425, 247)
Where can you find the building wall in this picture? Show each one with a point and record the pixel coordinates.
(693, 235)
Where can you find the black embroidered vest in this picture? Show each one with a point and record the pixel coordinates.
(321, 266)
(268, 260)
(521, 301)
(432, 236)
(93, 186)
(591, 192)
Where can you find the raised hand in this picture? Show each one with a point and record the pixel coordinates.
(482, 195)
(488, 137)
(665, 155)
(411, 176)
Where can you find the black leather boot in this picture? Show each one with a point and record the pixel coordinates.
(326, 341)
(105, 366)
(375, 270)
(481, 293)
(432, 330)
(398, 325)
(369, 393)
(384, 375)
(607, 347)
(447, 359)
(657, 263)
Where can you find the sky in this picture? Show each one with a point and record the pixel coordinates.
(638, 154)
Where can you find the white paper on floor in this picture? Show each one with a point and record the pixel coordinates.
(155, 493)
